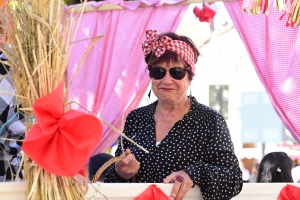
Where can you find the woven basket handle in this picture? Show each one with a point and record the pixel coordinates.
(106, 165)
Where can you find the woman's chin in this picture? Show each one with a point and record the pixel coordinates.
(168, 99)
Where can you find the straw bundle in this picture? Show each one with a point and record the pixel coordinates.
(38, 57)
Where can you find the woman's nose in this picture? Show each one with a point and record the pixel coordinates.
(167, 78)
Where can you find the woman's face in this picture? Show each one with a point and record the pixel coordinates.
(168, 89)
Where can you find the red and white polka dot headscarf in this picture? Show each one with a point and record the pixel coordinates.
(159, 47)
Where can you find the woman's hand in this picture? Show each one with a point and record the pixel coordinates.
(128, 166)
(180, 188)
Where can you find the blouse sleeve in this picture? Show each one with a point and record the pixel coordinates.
(220, 176)
(111, 176)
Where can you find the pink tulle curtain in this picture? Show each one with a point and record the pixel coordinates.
(275, 52)
(113, 78)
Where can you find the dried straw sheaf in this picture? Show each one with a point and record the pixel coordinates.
(41, 39)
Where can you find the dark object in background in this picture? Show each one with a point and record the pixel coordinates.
(96, 162)
(275, 167)
(72, 2)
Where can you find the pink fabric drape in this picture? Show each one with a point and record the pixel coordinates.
(275, 52)
(130, 5)
(113, 78)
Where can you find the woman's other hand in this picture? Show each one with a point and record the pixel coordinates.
(128, 166)
(182, 184)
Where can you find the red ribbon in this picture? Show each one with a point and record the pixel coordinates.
(61, 143)
(152, 193)
(204, 15)
(289, 192)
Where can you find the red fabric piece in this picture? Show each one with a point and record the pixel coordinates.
(82, 172)
(152, 193)
(289, 192)
(61, 143)
(204, 15)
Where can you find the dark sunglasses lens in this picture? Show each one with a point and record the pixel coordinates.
(157, 72)
(177, 73)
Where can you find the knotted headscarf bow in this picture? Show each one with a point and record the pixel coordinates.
(159, 47)
(61, 143)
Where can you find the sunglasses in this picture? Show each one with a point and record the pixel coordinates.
(158, 73)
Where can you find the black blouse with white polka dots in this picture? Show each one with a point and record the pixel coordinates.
(199, 144)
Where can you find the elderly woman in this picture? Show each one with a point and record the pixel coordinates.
(189, 143)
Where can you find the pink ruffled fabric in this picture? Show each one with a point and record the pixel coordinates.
(113, 78)
(275, 53)
(130, 5)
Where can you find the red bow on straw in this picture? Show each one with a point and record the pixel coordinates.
(61, 143)
(204, 15)
(289, 192)
(152, 193)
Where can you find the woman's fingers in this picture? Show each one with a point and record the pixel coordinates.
(186, 190)
(176, 187)
(181, 192)
(129, 162)
(128, 166)
(127, 152)
(182, 184)
(172, 177)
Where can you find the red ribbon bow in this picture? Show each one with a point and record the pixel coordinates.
(61, 143)
(152, 193)
(204, 15)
